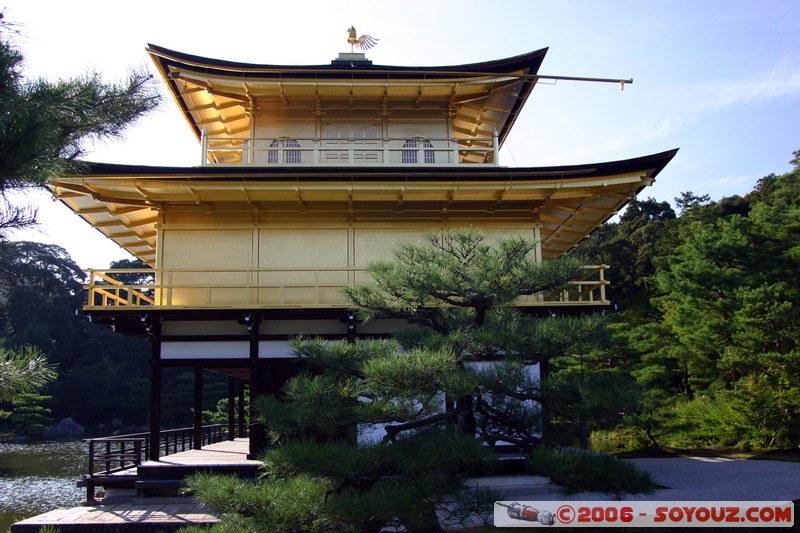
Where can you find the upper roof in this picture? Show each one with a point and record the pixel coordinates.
(222, 96)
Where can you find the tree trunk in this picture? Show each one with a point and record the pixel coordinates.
(465, 415)
(687, 388)
(584, 431)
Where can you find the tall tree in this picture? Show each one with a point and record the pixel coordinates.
(731, 304)
(40, 292)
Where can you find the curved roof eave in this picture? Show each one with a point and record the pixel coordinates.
(654, 162)
(531, 61)
(123, 203)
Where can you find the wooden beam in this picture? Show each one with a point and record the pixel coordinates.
(231, 406)
(126, 223)
(155, 398)
(108, 209)
(198, 408)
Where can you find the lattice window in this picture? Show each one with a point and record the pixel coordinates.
(289, 156)
(412, 156)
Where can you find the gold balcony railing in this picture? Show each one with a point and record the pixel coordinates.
(275, 289)
(347, 151)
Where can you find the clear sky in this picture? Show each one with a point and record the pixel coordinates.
(719, 79)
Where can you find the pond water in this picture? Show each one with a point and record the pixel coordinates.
(38, 477)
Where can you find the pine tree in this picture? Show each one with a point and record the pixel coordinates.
(46, 126)
(381, 432)
(30, 416)
(23, 371)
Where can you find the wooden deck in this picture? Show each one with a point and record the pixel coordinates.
(130, 516)
(225, 453)
(152, 514)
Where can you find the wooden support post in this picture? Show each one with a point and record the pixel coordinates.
(259, 386)
(155, 399)
(240, 415)
(231, 407)
(198, 408)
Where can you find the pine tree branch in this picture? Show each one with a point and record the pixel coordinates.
(393, 430)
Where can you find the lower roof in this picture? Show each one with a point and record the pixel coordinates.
(124, 201)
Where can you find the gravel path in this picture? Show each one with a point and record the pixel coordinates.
(704, 478)
(685, 479)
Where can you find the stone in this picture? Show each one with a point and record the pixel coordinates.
(66, 428)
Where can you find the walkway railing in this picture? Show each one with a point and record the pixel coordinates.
(117, 457)
(110, 455)
(272, 288)
(347, 151)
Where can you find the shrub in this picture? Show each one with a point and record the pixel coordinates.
(579, 471)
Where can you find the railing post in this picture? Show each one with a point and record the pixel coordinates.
(90, 288)
(137, 448)
(602, 283)
(91, 457)
(88, 479)
(107, 458)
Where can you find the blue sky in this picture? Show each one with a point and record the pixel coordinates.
(719, 79)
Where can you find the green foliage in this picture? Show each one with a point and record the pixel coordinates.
(709, 331)
(583, 401)
(40, 289)
(23, 371)
(315, 407)
(335, 486)
(433, 283)
(48, 529)
(579, 471)
(220, 414)
(752, 415)
(602, 396)
(29, 415)
(459, 378)
(653, 420)
(645, 232)
(45, 126)
(274, 504)
(458, 291)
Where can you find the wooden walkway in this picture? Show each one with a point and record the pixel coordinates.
(224, 453)
(149, 514)
(120, 517)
